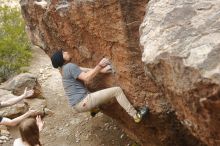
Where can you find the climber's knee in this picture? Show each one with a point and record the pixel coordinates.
(118, 89)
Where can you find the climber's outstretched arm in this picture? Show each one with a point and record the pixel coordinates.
(89, 75)
(16, 121)
(16, 99)
(104, 70)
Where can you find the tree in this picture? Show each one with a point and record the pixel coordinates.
(14, 45)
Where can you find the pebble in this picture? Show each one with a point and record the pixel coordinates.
(122, 136)
(60, 129)
(106, 129)
(77, 141)
(87, 137)
(5, 133)
(41, 71)
(4, 138)
(48, 111)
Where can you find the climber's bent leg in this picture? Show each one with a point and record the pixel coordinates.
(95, 99)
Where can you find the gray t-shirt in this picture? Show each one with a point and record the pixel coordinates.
(74, 88)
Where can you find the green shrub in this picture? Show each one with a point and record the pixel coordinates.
(14, 45)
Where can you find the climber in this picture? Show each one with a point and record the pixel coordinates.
(13, 100)
(80, 98)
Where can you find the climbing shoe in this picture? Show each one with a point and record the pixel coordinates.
(141, 112)
(94, 111)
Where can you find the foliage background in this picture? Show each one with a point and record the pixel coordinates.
(14, 45)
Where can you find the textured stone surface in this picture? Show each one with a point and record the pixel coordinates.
(37, 104)
(5, 133)
(16, 86)
(93, 29)
(11, 111)
(181, 42)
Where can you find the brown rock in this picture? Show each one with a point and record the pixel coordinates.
(93, 29)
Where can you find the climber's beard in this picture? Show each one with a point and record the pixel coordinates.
(67, 56)
(68, 60)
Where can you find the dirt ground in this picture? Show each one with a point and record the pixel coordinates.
(65, 127)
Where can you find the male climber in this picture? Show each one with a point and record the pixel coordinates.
(74, 77)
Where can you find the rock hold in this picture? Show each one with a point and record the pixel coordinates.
(42, 3)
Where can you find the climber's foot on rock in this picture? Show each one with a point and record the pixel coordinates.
(141, 113)
(94, 111)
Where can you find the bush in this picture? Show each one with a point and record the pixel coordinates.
(14, 45)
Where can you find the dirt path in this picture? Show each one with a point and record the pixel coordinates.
(64, 127)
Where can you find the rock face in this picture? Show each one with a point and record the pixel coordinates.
(92, 29)
(181, 42)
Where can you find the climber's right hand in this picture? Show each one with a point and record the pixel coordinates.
(107, 69)
(104, 62)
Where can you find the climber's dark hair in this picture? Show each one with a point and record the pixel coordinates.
(57, 59)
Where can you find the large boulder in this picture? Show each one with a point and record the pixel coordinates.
(181, 42)
(11, 111)
(92, 29)
(16, 86)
